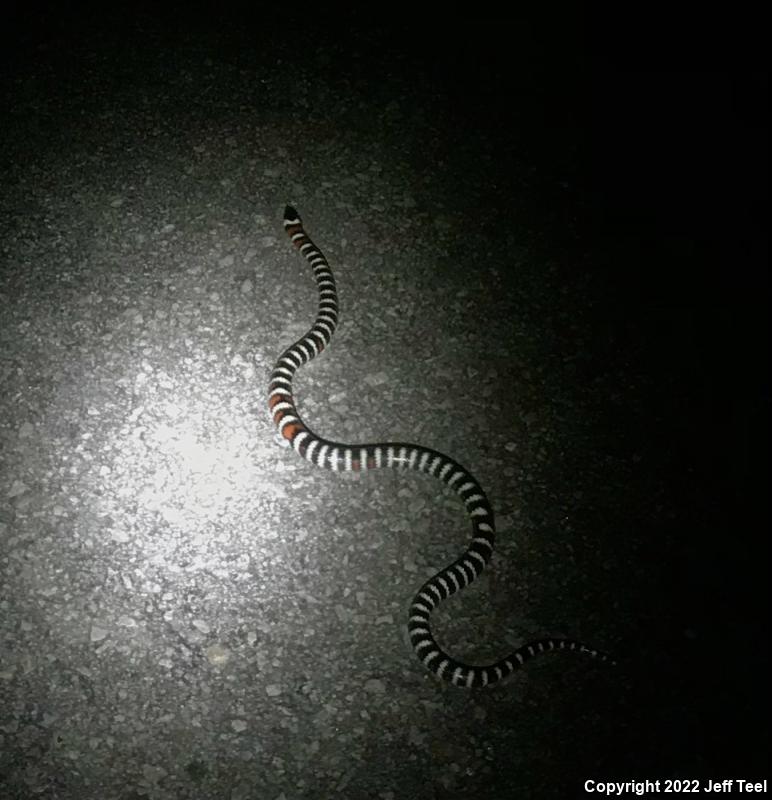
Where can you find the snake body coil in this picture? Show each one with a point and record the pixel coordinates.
(393, 455)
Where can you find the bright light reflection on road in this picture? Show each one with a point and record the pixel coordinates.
(187, 465)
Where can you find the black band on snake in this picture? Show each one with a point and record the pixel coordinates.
(394, 455)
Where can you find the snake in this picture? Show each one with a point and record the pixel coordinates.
(342, 457)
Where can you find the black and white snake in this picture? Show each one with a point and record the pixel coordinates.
(348, 457)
